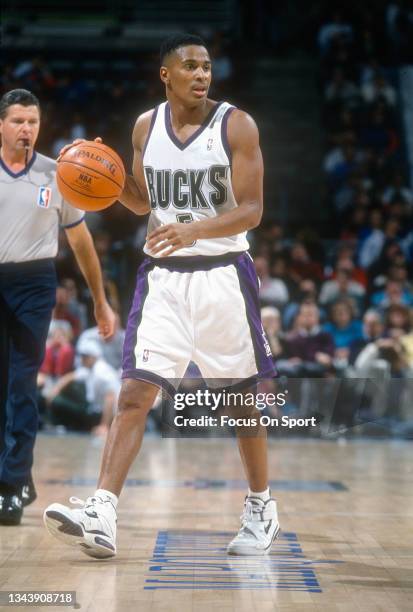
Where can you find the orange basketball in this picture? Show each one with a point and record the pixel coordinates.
(90, 176)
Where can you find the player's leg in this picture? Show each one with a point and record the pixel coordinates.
(260, 525)
(126, 432)
(93, 526)
(157, 348)
(230, 311)
(253, 452)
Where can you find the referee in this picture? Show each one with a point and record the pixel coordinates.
(31, 210)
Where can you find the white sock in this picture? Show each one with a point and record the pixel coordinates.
(104, 493)
(263, 495)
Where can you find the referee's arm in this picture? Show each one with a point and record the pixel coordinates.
(81, 243)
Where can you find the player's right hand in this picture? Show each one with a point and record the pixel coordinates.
(74, 143)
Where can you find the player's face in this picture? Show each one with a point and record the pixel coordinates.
(20, 127)
(188, 73)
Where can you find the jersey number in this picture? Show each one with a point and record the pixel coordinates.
(185, 218)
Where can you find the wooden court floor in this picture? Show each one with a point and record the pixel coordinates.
(346, 513)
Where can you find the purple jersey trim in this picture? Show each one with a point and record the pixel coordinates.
(188, 141)
(152, 378)
(248, 282)
(74, 224)
(135, 315)
(224, 134)
(152, 123)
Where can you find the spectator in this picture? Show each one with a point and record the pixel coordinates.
(112, 349)
(355, 226)
(397, 189)
(272, 291)
(308, 349)
(301, 266)
(62, 311)
(342, 91)
(271, 322)
(373, 329)
(307, 293)
(369, 71)
(347, 168)
(399, 273)
(336, 27)
(74, 305)
(345, 262)
(86, 398)
(342, 287)
(390, 256)
(374, 223)
(377, 135)
(59, 354)
(398, 321)
(336, 156)
(377, 89)
(280, 269)
(372, 247)
(34, 75)
(384, 357)
(343, 328)
(394, 293)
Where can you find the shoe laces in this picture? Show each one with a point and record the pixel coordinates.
(89, 503)
(76, 501)
(252, 512)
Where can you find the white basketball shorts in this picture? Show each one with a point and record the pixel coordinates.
(201, 309)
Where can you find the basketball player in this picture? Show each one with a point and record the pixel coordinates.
(31, 210)
(198, 170)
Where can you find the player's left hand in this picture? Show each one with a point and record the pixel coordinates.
(169, 238)
(106, 319)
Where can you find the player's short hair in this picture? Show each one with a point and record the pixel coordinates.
(176, 41)
(17, 96)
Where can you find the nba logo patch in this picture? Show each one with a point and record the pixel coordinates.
(145, 356)
(43, 199)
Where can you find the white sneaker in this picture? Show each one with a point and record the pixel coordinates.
(92, 527)
(259, 528)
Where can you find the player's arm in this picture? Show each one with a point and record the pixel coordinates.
(81, 242)
(135, 194)
(247, 185)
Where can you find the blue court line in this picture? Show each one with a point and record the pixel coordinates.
(230, 588)
(309, 486)
(176, 565)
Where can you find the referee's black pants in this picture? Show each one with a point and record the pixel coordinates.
(27, 298)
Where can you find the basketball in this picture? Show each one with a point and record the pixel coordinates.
(90, 176)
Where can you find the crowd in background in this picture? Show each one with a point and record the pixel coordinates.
(359, 291)
(336, 309)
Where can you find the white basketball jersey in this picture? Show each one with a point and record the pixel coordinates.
(191, 181)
